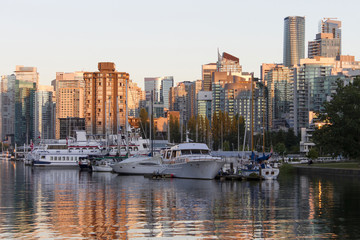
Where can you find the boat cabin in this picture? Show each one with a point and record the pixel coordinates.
(186, 149)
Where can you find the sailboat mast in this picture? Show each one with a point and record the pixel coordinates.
(117, 124)
(252, 115)
(126, 117)
(263, 110)
(151, 115)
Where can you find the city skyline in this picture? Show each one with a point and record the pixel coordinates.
(161, 38)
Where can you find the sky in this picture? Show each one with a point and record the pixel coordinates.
(158, 37)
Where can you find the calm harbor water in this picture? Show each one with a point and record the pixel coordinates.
(57, 204)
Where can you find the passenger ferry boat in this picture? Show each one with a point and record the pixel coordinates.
(136, 145)
(46, 159)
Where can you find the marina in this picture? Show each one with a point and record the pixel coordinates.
(68, 203)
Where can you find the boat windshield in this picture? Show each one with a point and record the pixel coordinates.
(194, 151)
(185, 152)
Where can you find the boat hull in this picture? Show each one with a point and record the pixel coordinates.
(37, 163)
(138, 166)
(270, 173)
(194, 169)
(102, 169)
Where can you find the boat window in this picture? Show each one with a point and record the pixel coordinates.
(63, 158)
(67, 158)
(51, 158)
(130, 148)
(135, 149)
(145, 145)
(168, 154)
(204, 151)
(178, 153)
(71, 158)
(55, 158)
(42, 157)
(196, 151)
(185, 152)
(148, 164)
(173, 154)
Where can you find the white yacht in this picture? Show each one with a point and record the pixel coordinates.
(104, 165)
(191, 160)
(139, 165)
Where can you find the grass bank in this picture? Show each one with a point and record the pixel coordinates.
(340, 165)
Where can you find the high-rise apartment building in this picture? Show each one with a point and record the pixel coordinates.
(324, 45)
(330, 25)
(229, 64)
(194, 89)
(136, 99)
(294, 40)
(204, 99)
(180, 100)
(43, 112)
(207, 71)
(160, 87)
(105, 99)
(70, 97)
(328, 41)
(27, 79)
(280, 96)
(307, 90)
(7, 106)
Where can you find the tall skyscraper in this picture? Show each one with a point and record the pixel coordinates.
(105, 96)
(294, 40)
(27, 79)
(328, 41)
(70, 97)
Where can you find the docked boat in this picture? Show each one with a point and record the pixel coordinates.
(46, 159)
(259, 169)
(103, 165)
(139, 165)
(133, 146)
(191, 160)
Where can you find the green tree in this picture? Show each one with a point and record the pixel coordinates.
(174, 130)
(280, 148)
(313, 154)
(342, 133)
(226, 146)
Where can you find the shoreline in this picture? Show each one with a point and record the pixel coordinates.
(327, 170)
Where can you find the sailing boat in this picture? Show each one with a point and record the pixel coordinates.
(258, 169)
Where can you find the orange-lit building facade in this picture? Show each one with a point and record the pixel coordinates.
(105, 99)
(70, 97)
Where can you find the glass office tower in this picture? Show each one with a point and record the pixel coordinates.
(294, 40)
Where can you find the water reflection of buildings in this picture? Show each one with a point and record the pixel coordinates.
(73, 204)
